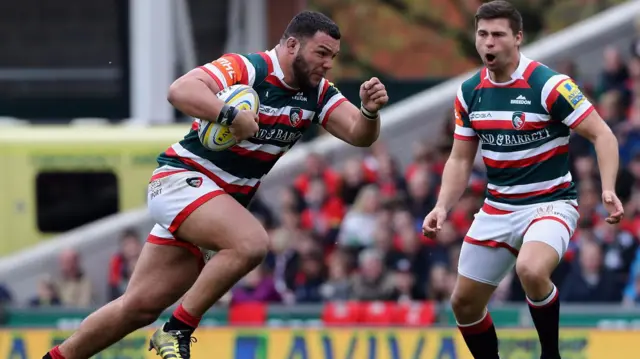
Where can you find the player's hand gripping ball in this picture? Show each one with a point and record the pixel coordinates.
(373, 95)
(216, 137)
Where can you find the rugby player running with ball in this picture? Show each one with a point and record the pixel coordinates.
(198, 197)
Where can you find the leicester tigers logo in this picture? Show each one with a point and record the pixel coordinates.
(295, 116)
(518, 120)
(194, 181)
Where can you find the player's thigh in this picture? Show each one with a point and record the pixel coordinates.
(194, 209)
(480, 270)
(222, 223)
(489, 250)
(163, 273)
(483, 264)
(546, 239)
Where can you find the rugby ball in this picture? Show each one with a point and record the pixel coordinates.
(216, 137)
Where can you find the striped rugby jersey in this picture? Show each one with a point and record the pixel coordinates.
(523, 127)
(285, 114)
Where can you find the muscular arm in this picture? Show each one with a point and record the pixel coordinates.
(457, 171)
(195, 95)
(598, 132)
(348, 124)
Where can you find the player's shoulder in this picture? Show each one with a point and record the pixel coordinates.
(325, 91)
(471, 83)
(544, 76)
(467, 88)
(256, 60)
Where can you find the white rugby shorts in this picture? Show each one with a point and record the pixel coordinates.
(173, 194)
(492, 243)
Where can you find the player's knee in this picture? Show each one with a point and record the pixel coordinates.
(141, 310)
(254, 247)
(466, 307)
(532, 273)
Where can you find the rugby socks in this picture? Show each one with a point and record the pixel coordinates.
(546, 318)
(54, 354)
(481, 338)
(182, 320)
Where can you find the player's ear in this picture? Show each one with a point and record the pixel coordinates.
(292, 45)
(519, 38)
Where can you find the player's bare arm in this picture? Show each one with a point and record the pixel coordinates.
(360, 127)
(455, 179)
(598, 132)
(195, 95)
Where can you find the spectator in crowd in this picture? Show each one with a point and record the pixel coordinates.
(310, 278)
(614, 74)
(323, 211)
(47, 294)
(354, 179)
(440, 285)
(338, 286)
(407, 289)
(282, 261)
(357, 228)
(591, 281)
(317, 169)
(74, 287)
(372, 282)
(123, 262)
(257, 286)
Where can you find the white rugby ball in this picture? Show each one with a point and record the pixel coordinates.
(216, 137)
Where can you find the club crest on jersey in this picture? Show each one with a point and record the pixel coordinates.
(295, 116)
(194, 181)
(518, 120)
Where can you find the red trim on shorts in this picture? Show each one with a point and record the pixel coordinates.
(552, 218)
(165, 174)
(492, 244)
(481, 327)
(489, 209)
(186, 211)
(178, 243)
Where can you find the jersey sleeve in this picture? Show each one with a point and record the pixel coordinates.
(231, 69)
(329, 98)
(564, 101)
(463, 130)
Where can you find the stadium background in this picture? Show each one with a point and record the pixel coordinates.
(82, 88)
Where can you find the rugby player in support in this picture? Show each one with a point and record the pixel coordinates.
(198, 198)
(521, 112)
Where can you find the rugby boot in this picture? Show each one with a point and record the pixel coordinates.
(173, 344)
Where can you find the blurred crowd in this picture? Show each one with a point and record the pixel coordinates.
(354, 231)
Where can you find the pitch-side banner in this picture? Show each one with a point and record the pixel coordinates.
(355, 343)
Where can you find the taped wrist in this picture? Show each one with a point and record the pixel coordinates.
(227, 115)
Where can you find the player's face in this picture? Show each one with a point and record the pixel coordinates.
(496, 43)
(314, 58)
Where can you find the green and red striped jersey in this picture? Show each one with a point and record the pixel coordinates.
(523, 127)
(285, 114)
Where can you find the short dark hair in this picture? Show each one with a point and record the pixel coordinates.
(500, 9)
(307, 23)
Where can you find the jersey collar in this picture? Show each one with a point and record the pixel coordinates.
(516, 75)
(277, 69)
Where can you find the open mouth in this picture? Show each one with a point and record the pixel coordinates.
(490, 58)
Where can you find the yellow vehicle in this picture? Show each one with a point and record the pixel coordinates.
(56, 178)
